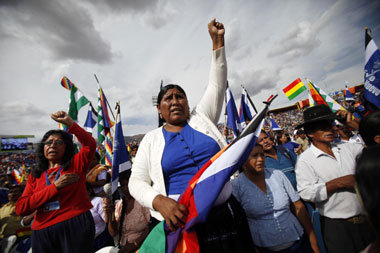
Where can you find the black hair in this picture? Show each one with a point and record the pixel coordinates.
(369, 127)
(43, 163)
(97, 156)
(161, 94)
(367, 105)
(367, 177)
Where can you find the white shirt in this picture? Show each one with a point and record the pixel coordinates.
(147, 180)
(315, 168)
(98, 215)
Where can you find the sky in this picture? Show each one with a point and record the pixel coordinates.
(132, 45)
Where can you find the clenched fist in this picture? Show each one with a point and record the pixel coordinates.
(62, 117)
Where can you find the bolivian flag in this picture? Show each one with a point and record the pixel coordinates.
(294, 89)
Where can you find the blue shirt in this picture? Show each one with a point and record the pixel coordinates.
(269, 217)
(184, 154)
(284, 164)
(291, 145)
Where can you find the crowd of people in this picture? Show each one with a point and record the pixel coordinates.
(315, 165)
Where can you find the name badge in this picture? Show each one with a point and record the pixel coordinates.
(51, 206)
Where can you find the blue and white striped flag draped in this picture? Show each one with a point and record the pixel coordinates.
(120, 161)
(349, 96)
(244, 112)
(233, 120)
(274, 125)
(372, 71)
(91, 120)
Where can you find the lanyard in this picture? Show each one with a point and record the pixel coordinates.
(56, 177)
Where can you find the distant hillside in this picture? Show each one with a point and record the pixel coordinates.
(129, 139)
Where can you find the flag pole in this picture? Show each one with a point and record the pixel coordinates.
(225, 114)
(117, 108)
(249, 99)
(109, 107)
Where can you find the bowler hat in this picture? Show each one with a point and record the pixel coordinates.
(317, 113)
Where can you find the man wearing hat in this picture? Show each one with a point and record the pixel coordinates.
(325, 177)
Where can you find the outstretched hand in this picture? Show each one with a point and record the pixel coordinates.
(216, 30)
(62, 117)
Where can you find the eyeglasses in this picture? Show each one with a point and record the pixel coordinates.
(56, 142)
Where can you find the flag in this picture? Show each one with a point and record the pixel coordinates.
(62, 127)
(311, 100)
(104, 126)
(108, 149)
(371, 71)
(320, 97)
(18, 176)
(203, 189)
(233, 120)
(77, 101)
(120, 161)
(274, 126)
(92, 118)
(244, 112)
(294, 89)
(66, 83)
(349, 96)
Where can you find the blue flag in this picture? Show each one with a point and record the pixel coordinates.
(92, 118)
(371, 71)
(244, 112)
(233, 120)
(274, 126)
(349, 96)
(120, 161)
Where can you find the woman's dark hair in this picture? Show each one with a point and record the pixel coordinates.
(42, 162)
(162, 92)
(369, 128)
(367, 180)
(125, 175)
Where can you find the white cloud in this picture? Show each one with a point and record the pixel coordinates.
(132, 45)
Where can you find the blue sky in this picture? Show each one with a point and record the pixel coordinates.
(132, 45)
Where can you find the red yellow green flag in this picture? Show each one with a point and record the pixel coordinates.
(294, 89)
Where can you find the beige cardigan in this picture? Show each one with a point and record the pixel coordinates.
(147, 180)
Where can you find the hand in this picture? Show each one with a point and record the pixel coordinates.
(108, 208)
(216, 31)
(174, 213)
(348, 119)
(340, 183)
(65, 180)
(347, 181)
(62, 117)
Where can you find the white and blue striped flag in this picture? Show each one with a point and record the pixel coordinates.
(91, 120)
(371, 71)
(244, 112)
(233, 120)
(120, 161)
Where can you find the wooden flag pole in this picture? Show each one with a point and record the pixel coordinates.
(114, 131)
(109, 107)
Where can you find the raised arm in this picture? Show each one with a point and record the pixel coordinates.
(212, 100)
(87, 151)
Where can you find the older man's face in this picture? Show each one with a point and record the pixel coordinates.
(322, 132)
